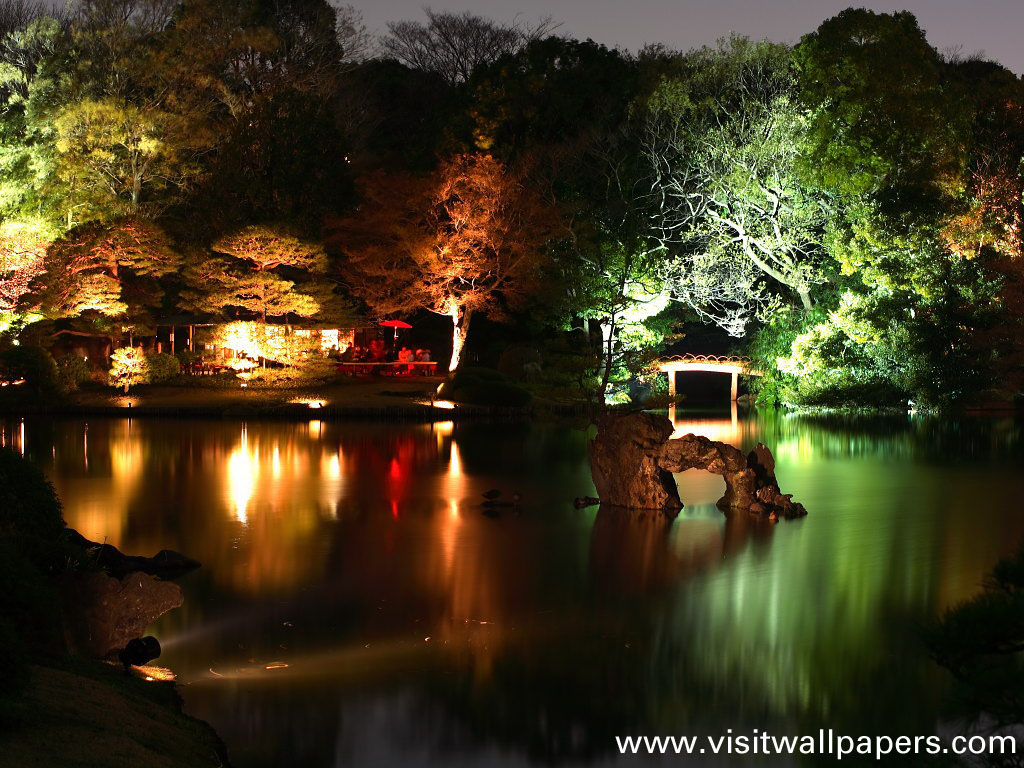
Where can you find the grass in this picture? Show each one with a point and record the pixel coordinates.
(89, 715)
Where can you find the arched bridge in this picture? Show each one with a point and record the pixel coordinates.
(713, 363)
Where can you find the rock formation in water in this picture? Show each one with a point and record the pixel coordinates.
(632, 460)
(624, 462)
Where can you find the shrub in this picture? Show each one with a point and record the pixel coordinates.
(484, 386)
(162, 367)
(520, 363)
(72, 372)
(33, 364)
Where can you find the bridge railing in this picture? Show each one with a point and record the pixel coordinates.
(725, 359)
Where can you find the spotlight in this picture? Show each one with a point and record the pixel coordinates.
(139, 651)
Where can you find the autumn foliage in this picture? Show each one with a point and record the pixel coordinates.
(463, 240)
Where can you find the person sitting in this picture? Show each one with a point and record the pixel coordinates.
(377, 351)
(349, 354)
(422, 355)
(405, 355)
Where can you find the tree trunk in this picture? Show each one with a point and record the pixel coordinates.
(460, 327)
(608, 328)
(805, 299)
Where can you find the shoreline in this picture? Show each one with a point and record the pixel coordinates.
(289, 412)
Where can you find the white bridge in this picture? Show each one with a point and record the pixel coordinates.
(707, 363)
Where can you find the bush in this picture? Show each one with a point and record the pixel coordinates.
(162, 367)
(484, 386)
(188, 357)
(72, 372)
(33, 364)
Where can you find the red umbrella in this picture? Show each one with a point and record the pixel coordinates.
(396, 324)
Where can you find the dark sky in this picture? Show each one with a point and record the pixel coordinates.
(992, 27)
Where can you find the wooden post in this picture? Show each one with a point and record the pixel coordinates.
(172, 339)
(735, 385)
(671, 384)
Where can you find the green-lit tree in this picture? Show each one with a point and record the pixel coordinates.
(723, 138)
(888, 137)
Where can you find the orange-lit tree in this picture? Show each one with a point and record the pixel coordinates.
(22, 249)
(464, 240)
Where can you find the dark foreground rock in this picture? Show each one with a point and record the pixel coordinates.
(632, 460)
(102, 613)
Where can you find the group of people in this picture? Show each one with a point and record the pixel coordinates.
(381, 352)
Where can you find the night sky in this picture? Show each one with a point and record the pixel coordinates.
(992, 27)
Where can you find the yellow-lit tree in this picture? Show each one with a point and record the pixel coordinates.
(250, 280)
(461, 241)
(128, 367)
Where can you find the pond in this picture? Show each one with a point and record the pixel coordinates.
(356, 606)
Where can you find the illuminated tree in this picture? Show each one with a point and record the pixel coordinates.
(128, 367)
(22, 252)
(723, 139)
(569, 108)
(116, 156)
(103, 268)
(266, 248)
(250, 280)
(889, 136)
(456, 243)
(31, 70)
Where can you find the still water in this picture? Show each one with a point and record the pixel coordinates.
(356, 606)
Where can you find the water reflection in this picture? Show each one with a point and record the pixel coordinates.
(357, 606)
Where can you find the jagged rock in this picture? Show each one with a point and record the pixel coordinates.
(632, 460)
(165, 564)
(624, 462)
(102, 613)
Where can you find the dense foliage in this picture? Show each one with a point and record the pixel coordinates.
(848, 208)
